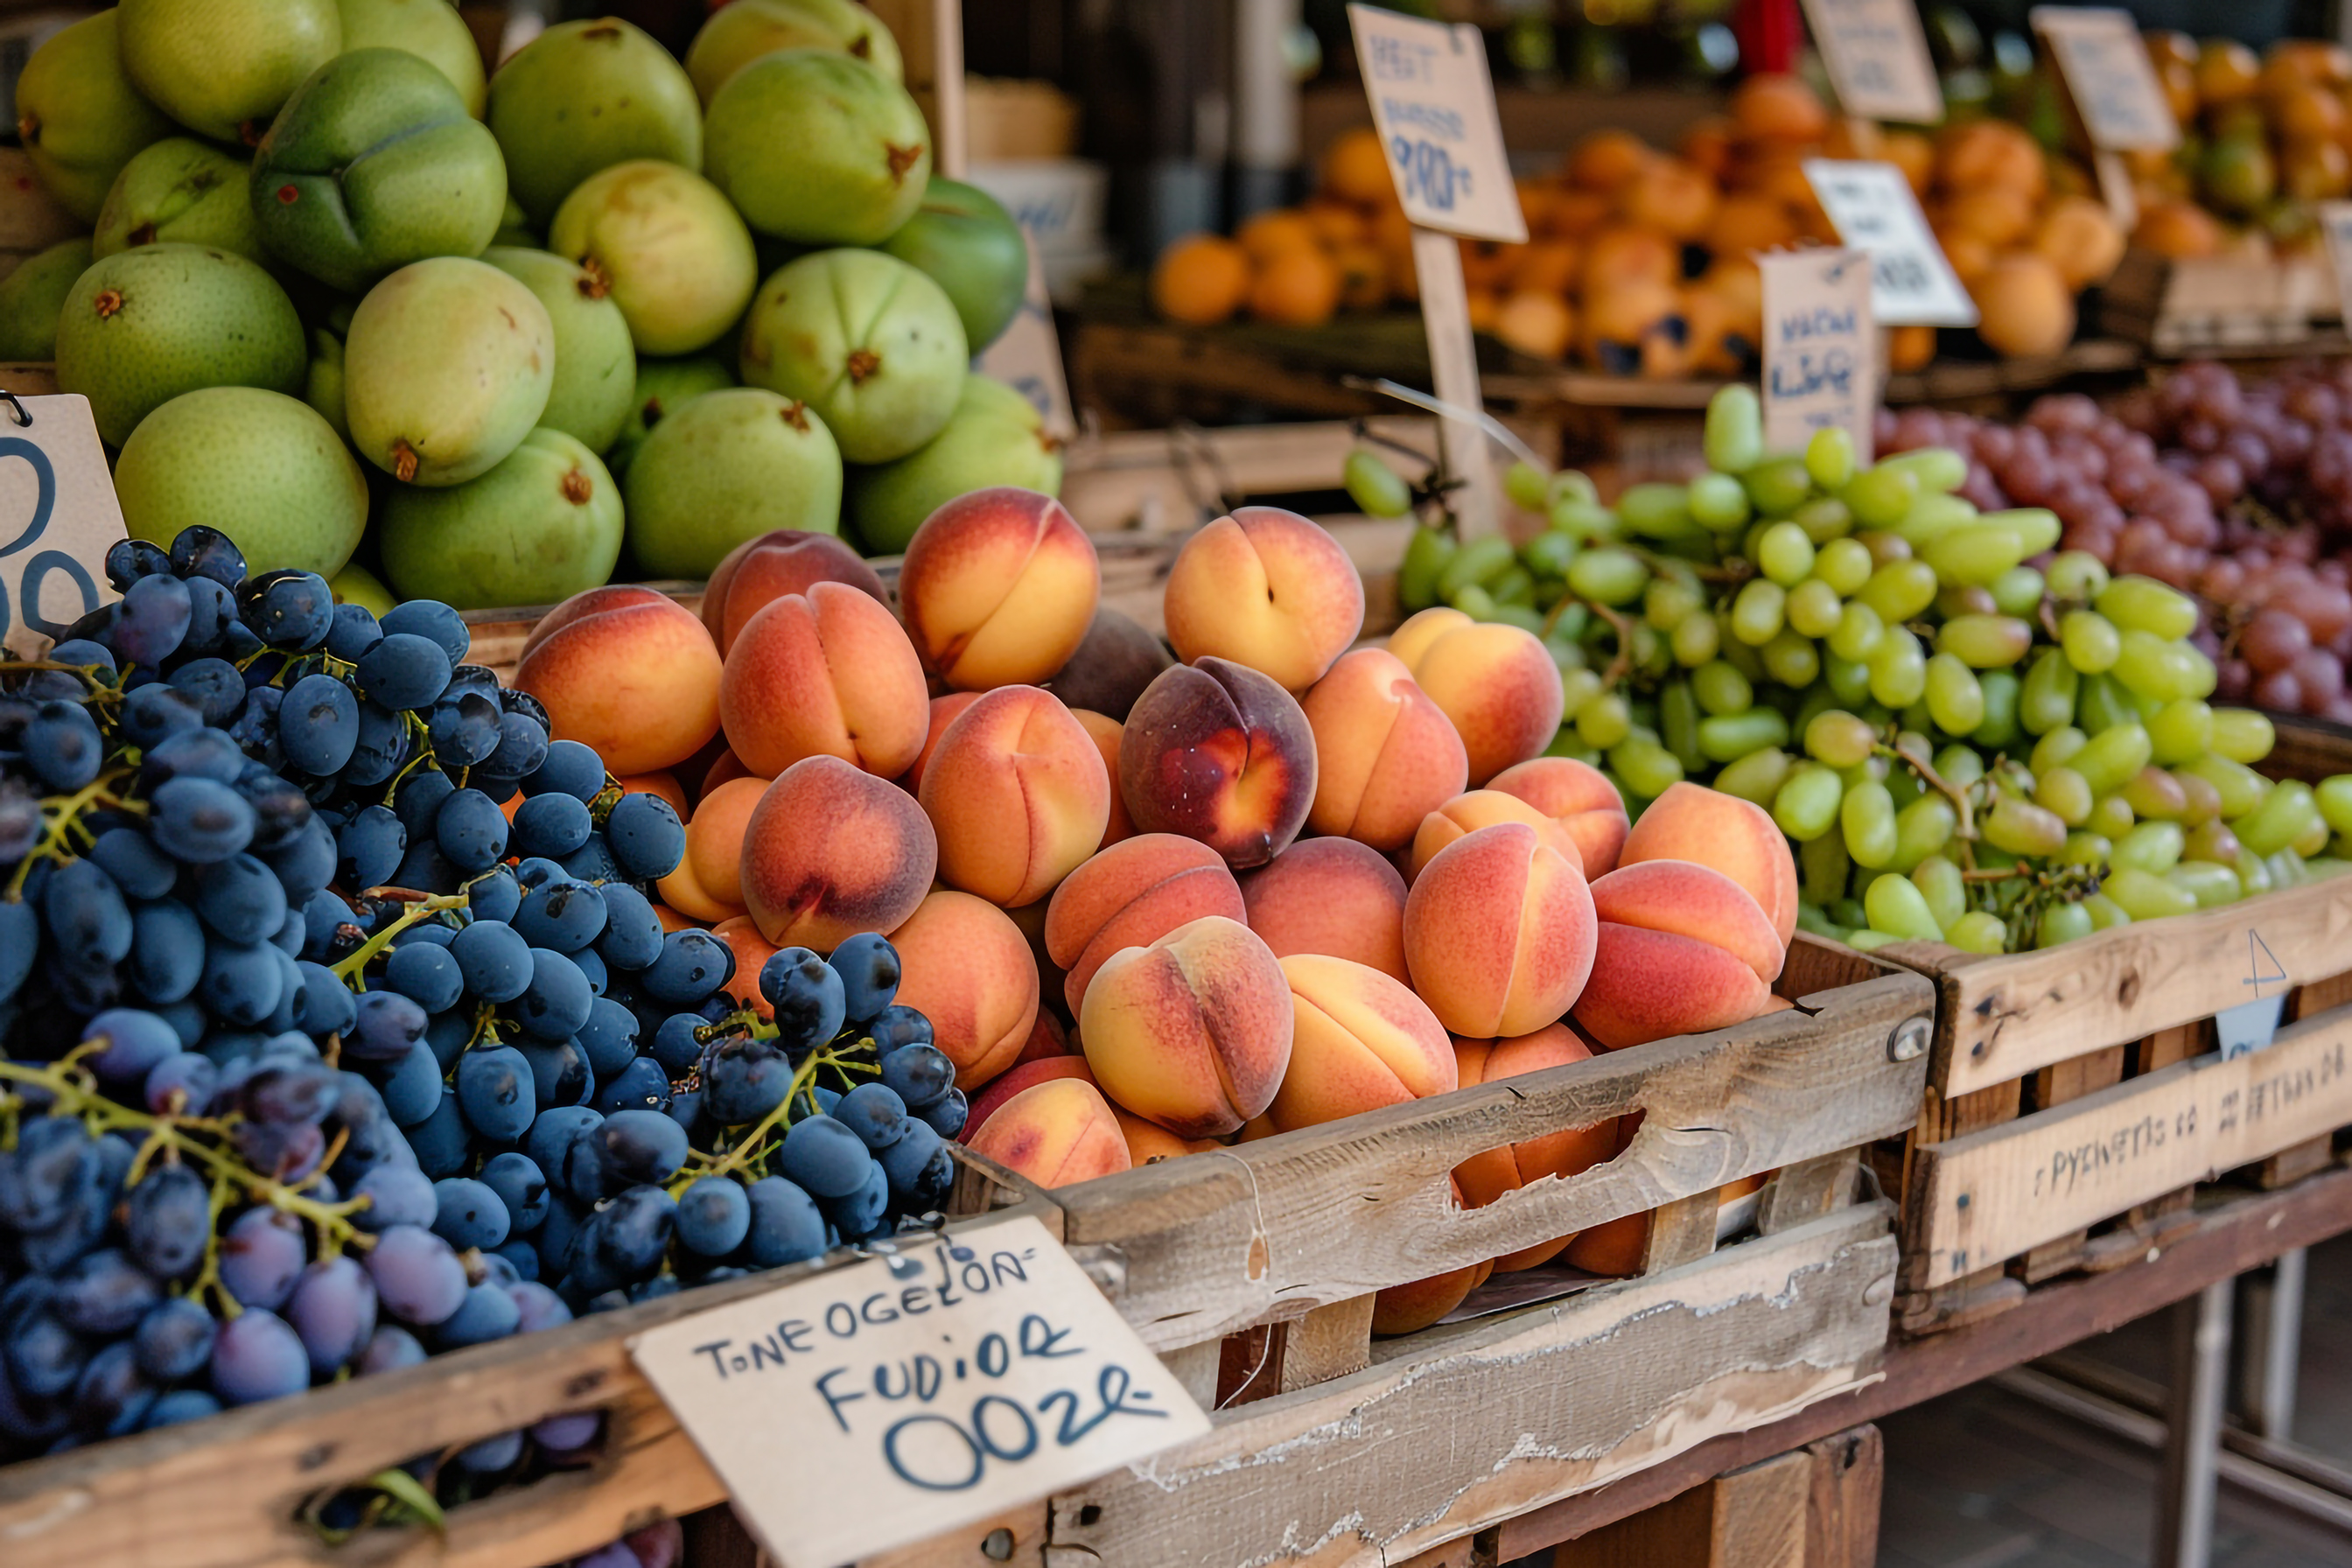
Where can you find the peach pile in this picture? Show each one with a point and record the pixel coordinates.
(999, 588)
(627, 671)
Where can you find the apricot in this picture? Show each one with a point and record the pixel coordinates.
(966, 967)
(1148, 1141)
(662, 783)
(724, 766)
(1474, 809)
(1337, 224)
(1115, 661)
(2000, 216)
(1496, 683)
(1671, 197)
(1746, 223)
(1386, 756)
(827, 673)
(1056, 1134)
(1537, 324)
(1498, 932)
(1359, 1040)
(751, 950)
(1364, 277)
(2027, 308)
(1727, 834)
(1707, 143)
(1265, 588)
(1909, 348)
(1608, 160)
(1912, 153)
(1408, 1308)
(1721, 342)
(1547, 267)
(831, 851)
(1271, 234)
(2079, 237)
(1613, 1247)
(1013, 1080)
(1219, 752)
(1483, 1177)
(629, 671)
(944, 711)
(1355, 169)
(1635, 328)
(1578, 797)
(1106, 733)
(1193, 1031)
(1201, 280)
(1619, 257)
(681, 890)
(785, 561)
(1775, 106)
(714, 838)
(1131, 895)
(1018, 794)
(1482, 308)
(1682, 948)
(1983, 153)
(2178, 229)
(1295, 287)
(998, 588)
(1332, 897)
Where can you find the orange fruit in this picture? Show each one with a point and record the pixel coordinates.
(1855, 138)
(1747, 223)
(2166, 47)
(1550, 265)
(1739, 282)
(1536, 323)
(1269, 234)
(1625, 255)
(1969, 255)
(2315, 171)
(2028, 310)
(2178, 81)
(1719, 341)
(1606, 160)
(1634, 326)
(1776, 107)
(1363, 278)
(1335, 224)
(1909, 348)
(2079, 237)
(2226, 71)
(1673, 198)
(2178, 229)
(1201, 278)
(1915, 154)
(1295, 287)
(1576, 213)
(1486, 263)
(1355, 169)
(1994, 214)
(1484, 305)
(1706, 144)
(1991, 153)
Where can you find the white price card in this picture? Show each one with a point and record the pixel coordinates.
(1027, 355)
(57, 517)
(875, 1407)
(1875, 211)
(1433, 105)
(2336, 223)
(1876, 53)
(1821, 347)
(2110, 77)
(2252, 1024)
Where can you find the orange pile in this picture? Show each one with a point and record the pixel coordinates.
(2262, 138)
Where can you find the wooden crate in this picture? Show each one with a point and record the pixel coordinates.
(2217, 304)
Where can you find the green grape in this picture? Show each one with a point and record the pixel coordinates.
(2334, 797)
(2105, 914)
(1569, 744)
(2056, 747)
(1426, 554)
(1695, 639)
(2077, 575)
(1814, 608)
(1824, 866)
(1985, 642)
(2203, 801)
(1526, 618)
(1757, 776)
(2144, 896)
(1957, 599)
(1778, 486)
(2111, 816)
(1577, 688)
(2181, 729)
(1943, 889)
(1608, 575)
(1959, 766)
(2204, 674)
(1735, 653)
(1603, 721)
(2112, 756)
(1548, 554)
(1955, 701)
(1376, 488)
(2213, 841)
(2062, 793)
(1718, 502)
(1846, 565)
(2281, 817)
(1882, 496)
(1896, 908)
(1824, 520)
(1665, 603)
(1839, 738)
(2036, 528)
(1898, 670)
(2146, 604)
(1756, 614)
(2018, 591)
(1655, 509)
(1899, 590)
(1864, 940)
(1860, 631)
(2254, 874)
(1585, 521)
(2150, 847)
(2022, 829)
(1648, 769)
(1848, 680)
(2101, 703)
(1931, 517)
(1526, 485)
(1978, 930)
(2091, 641)
(1999, 728)
(1474, 602)
(1848, 913)
(1867, 818)
(2062, 922)
(2311, 842)
(1571, 484)
(1792, 659)
(1722, 690)
(1939, 469)
(2155, 795)
(1885, 547)
(1810, 919)
(1728, 738)
(1474, 564)
(2287, 869)
(1784, 554)
(1807, 802)
(1515, 585)
(2242, 735)
(1678, 724)
(2085, 848)
(2002, 775)
(2211, 886)
(1734, 439)
(2046, 700)
(1829, 455)
(1977, 554)
(2150, 667)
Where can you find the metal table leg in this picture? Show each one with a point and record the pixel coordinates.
(2201, 1377)
(2271, 1347)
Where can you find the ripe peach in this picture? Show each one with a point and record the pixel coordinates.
(682, 890)
(1479, 808)
(782, 561)
(662, 783)
(1219, 752)
(1486, 1177)
(830, 851)
(944, 711)
(1408, 1309)
(1498, 932)
(998, 588)
(1148, 1141)
(1682, 948)
(1333, 897)
(1578, 797)
(714, 838)
(627, 671)
(1132, 894)
(828, 673)
(1495, 681)
(1107, 733)
(724, 766)
(1047, 1038)
(1266, 588)
(1018, 794)
(1385, 755)
(1013, 1080)
(967, 969)
(1686, 899)
(1193, 1031)
(751, 950)
(1736, 837)
(1114, 662)
(1359, 1040)
(1056, 1134)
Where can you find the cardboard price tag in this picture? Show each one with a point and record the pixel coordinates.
(2336, 223)
(1877, 57)
(1875, 212)
(2109, 76)
(875, 1407)
(57, 517)
(1027, 355)
(1434, 106)
(1821, 347)
(2250, 1025)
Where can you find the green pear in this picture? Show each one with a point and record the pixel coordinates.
(262, 468)
(743, 31)
(322, 384)
(430, 30)
(664, 386)
(541, 526)
(142, 327)
(221, 67)
(583, 96)
(32, 297)
(679, 261)
(964, 241)
(181, 191)
(729, 466)
(595, 366)
(995, 437)
(514, 227)
(357, 585)
(79, 115)
(447, 366)
(867, 340)
(812, 145)
(371, 165)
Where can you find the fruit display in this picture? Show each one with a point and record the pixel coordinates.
(364, 308)
(2263, 139)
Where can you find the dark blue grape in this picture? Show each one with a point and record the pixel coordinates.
(329, 927)
(186, 1018)
(536, 871)
(632, 937)
(495, 1092)
(425, 870)
(130, 1042)
(384, 1024)
(241, 899)
(425, 974)
(495, 895)
(151, 621)
(921, 1074)
(825, 1157)
(332, 1312)
(368, 849)
(328, 1006)
(307, 865)
(487, 1313)
(875, 1113)
(693, 964)
(806, 995)
(199, 821)
(471, 830)
(593, 970)
(417, 1278)
(480, 680)
(201, 551)
(430, 932)
(181, 1084)
(42, 1357)
(898, 1026)
(520, 1185)
(914, 1162)
(20, 945)
(568, 768)
(494, 960)
(214, 685)
(281, 812)
(435, 621)
(412, 1091)
(419, 800)
(396, 1195)
(403, 671)
(552, 824)
(354, 632)
(521, 1256)
(639, 1086)
(469, 1213)
(175, 1340)
(645, 836)
(385, 744)
(558, 1072)
(178, 1407)
(609, 1038)
(573, 1430)
(439, 1142)
(946, 1114)
(389, 1348)
(319, 724)
(557, 1001)
(87, 921)
(713, 1216)
(641, 1146)
(627, 1236)
(744, 1080)
(113, 1395)
(859, 1215)
(128, 559)
(103, 1293)
(255, 728)
(522, 745)
(193, 753)
(563, 914)
(241, 985)
(289, 609)
(261, 1255)
(152, 714)
(84, 652)
(675, 1045)
(491, 1455)
(592, 862)
(167, 1219)
(62, 746)
(555, 1131)
(786, 1224)
(288, 1091)
(464, 729)
(869, 967)
(212, 615)
(257, 1356)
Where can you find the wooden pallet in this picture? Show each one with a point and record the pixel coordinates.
(2219, 304)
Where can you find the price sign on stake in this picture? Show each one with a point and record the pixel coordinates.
(2336, 223)
(1878, 58)
(2250, 1025)
(875, 1407)
(57, 517)
(1821, 347)
(1874, 212)
(2109, 77)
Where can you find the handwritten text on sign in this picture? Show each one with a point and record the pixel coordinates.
(1878, 58)
(1875, 211)
(875, 1407)
(57, 516)
(1435, 106)
(1821, 347)
(2109, 76)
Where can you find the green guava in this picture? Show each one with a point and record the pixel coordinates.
(996, 436)
(739, 32)
(664, 386)
(430, 30)
(729, 466)
(964, 241)
(222, 67)
(871, 342)
(678, 260)
(812, 145)
(182, 191)
(262, 468)
(80, 117)
(32, 297)
(583, 96)
(542, 525)
(595, 366)
(447, 367)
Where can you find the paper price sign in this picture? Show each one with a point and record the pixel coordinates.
(1821, 347)
(1878, 58)
(2250, 1025)
(2336, 223)
(1435, 106)
(57, 516)
(2110, 77)
(874, 1407)
(1874, 212)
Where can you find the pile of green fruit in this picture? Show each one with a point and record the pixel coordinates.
(499, 338)
(1963, 746)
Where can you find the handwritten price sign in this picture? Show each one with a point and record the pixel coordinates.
(1434, 106)
(875, 1407)
(2110, 76)
(1821, 347)
(1874, 212)
(57, 516)
(1878, 58)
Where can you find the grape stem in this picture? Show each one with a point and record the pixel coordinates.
(421, 907)
(63, 814)
(754, 1145)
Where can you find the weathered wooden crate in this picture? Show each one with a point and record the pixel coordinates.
(2217, 304)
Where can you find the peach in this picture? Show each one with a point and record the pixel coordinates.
(1056, 1134)
(782, 561)
(1580, 797)
(627, 671)
(724, 766)
(1495, 681)
(1333, 897)
(1480, 808)
(1613, 1247)
(682, 891)
(1385, 757)
(1403, 1308)
(1018, 794)
(1486, 1177)
(1047, 1038)
(1221, 753)
(1130, 895)
(1148, 1141)
(943, 713)
(1685, 898)
(1193, 1031)
(1498, 932)
(1011, 1081)
(1359, 1040)
(714, 838)
(1266, 588)
(824, 674)
(1736, 837)
(1107, 733)
(998, 588)
(1681, 949)
(831, 851)
(1115, 661)
(969, 970)
(661, 782)
(751, 950)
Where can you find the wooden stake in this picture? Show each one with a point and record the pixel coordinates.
(1454, 372)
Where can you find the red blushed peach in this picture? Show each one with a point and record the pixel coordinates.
(1651, 984)
(1578, 797)
(751, 950)
(1011, 1081)
(726, 766)
(786, 560)
(967, 968)
(827, 674)
(683, 892)
(1018, 794)
(1193, 1031)
(1498, 932)
(671, 920)
(1694, 900)
(1266, 588)
(1131, 895)
(1358, 1041)
(831, 851)
(1495, 683)
(1056, 1135)
(998, 588)
(944, 711)
(1047, 1038)
(1736, 837)
(1478, 808)
(1333, 897)
(1485, 1177)
(1113, 665)
(1613, 1247)
(1219, 752)
(1107, 733)
(1148, 1141)
(1385, 757)
(1408, 1308)
(627, 671)
(714, 838)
